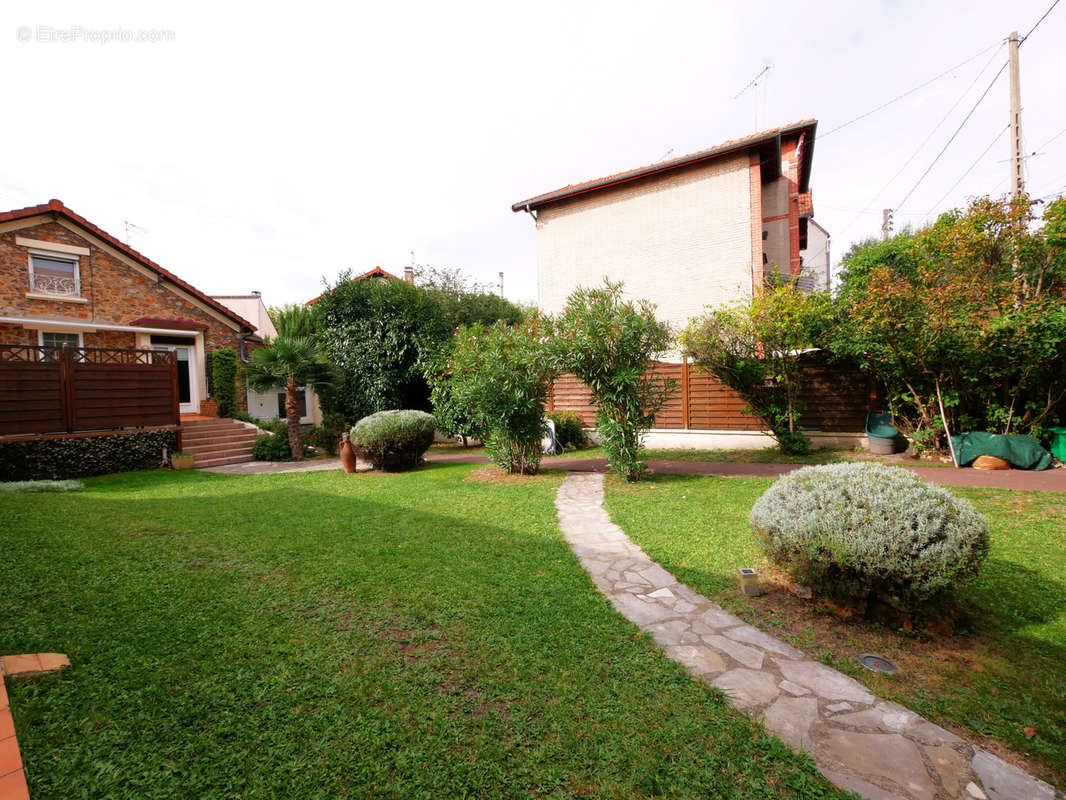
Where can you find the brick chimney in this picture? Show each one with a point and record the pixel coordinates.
(409, 275)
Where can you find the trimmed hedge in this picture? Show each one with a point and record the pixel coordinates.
(393, 440)
(224, 380)
(57, 459)
(857, 531)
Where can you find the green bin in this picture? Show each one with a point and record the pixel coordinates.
(1058, 443)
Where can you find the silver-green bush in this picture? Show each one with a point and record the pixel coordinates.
(393, 440)
(41, 486)
(856, 531)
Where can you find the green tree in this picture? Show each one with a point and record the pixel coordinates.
(753, 348)
(609, 343)
(374, 332)
(968, 313)
(499, 376)
(294, 320)
(290, 362)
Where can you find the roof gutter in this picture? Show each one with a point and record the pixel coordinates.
(88, 326)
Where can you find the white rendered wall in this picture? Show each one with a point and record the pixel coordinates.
(682, 241)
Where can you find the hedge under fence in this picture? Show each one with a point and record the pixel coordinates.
(77, 457)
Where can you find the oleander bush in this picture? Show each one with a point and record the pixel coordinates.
(393, 440)
(499, 376)
(856, 532)
(569, 429)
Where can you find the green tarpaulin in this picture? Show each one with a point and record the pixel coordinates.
(1023, 452)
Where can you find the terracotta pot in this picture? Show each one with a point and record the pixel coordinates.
(347, 456)
(182, 460)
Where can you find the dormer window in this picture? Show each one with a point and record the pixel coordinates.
(54, 274)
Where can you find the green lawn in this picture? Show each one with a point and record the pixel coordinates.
(990, 678)
(323, 635)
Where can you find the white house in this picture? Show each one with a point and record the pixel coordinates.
(268, 405)
(703, 229)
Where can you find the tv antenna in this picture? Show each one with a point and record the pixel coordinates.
(131, 227)
(753, 86)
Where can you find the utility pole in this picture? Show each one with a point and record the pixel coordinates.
(886, 223)
(1017, 175)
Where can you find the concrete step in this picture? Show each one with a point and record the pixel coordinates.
(222, 448)
(214, 427)
(220, 460)
(193, 439)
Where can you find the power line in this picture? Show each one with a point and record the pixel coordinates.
(910, 91)
(869, 206)
(1037, 24)
(969, 170)
(958, 130)
(1053, 138)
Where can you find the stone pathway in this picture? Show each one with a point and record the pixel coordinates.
(878, 749)
(275, 467)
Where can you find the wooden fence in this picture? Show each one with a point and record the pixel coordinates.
(70, 389)
(837, 399)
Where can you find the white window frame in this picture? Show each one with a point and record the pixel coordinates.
(43, 331)
(55, 256)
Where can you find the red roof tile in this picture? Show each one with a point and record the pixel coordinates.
(725, 148)
(56, 207)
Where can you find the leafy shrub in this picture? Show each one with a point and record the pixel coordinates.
(393, 440)
(86, 455)
(328, 434)
(276, 425)
(609, 343)
(224, 380)
(41, 486)
(855, 531)
(275, 446)
(499, 377)
(753, 348)
(569, 429)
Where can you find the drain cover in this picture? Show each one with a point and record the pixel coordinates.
(876, 663)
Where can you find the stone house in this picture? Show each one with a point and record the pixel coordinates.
(64, 281)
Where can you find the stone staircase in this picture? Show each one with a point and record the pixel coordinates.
(218, 441)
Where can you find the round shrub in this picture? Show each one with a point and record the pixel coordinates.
(856, 531)
(393, 440)
(272, 447)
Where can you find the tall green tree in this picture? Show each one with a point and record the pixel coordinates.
(291, 362)
(969, 312)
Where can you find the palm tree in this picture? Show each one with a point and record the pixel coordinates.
(291, 362)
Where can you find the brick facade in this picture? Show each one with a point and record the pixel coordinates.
(115, 289)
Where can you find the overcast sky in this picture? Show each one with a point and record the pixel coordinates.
(266, 147)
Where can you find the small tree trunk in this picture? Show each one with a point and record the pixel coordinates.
(292, 417)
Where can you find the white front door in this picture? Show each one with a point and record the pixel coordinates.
(188, 397)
